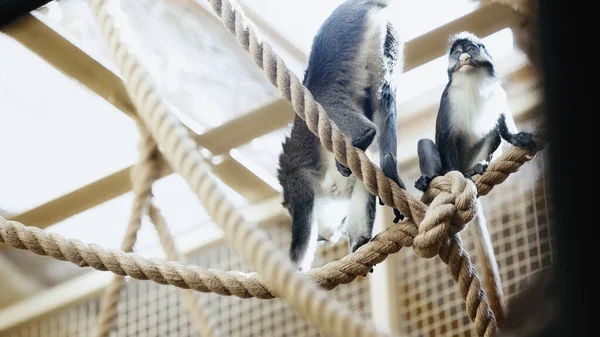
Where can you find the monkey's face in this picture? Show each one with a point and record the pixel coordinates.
(468, 56)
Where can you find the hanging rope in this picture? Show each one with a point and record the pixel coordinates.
(190, 300)
(181, 153)
(143, 175)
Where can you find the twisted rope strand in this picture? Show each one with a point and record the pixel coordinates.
(331, 138)
(143, 175)
(190, 300)
(307, 108)
(462, 271)
(181, 153)
(173, 273)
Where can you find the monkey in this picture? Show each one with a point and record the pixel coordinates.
(472, 121)
(353, 59)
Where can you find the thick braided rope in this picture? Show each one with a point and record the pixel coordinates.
(181, 153)
(226, 283)
(343, 271)
(190, 300)
(450, 208)
(329, 135)
(313, 113)
(143, 175)
(465, 275)
(240, 284)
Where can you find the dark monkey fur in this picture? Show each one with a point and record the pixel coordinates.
(472, 121)
(350, 72)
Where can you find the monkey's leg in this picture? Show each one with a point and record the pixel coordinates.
(388, 140)
(355, 126)
(361, 215)
(304, 225)
(430, 163)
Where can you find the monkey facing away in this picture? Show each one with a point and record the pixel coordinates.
(472, 121)
(350, 72)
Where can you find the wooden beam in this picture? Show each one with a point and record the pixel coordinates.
(218, 140)
(243, 180)
(64, 55)
(94, 282)
(483, 21)
(247, 127)
(78, 65)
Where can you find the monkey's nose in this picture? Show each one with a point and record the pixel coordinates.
(464, 57)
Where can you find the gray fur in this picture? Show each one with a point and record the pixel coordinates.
(353, 57)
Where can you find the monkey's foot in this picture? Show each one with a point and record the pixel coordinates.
(422, 184)
(398, 216)
(523, 139)
(358, 242)
(343, 169)
(479, 168)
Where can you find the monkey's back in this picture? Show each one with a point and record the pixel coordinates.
(337, 68)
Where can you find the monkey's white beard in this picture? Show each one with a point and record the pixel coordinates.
(476, 102)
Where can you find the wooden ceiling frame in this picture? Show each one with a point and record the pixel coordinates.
(75, 63)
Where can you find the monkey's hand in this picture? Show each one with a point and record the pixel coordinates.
(343, 169)
(523, 139)
(479, 168)
(422, 184)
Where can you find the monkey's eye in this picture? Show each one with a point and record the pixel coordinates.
(457, 52)
(471, 49)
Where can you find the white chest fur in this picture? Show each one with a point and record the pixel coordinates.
(476, 101)
(333, 199)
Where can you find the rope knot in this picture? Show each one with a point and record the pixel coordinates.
(451, 201)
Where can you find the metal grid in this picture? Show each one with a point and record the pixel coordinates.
(427, 297)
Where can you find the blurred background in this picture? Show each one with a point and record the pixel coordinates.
(68, 142)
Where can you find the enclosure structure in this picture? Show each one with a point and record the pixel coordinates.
(406, 294)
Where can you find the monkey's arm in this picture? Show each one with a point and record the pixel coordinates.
(430, 163)
(387, 140)
(508, 132)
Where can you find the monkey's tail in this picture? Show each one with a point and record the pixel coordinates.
(492, 282)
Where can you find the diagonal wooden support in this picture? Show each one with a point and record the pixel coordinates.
(34, 34)
(78, 65)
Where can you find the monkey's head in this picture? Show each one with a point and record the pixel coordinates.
(468, 55)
